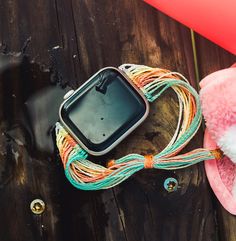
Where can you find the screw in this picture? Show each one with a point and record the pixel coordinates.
(171, 184)
(37, 206)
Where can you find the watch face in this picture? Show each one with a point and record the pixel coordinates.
(103, 111)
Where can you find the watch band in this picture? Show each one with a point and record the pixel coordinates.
(86, 175)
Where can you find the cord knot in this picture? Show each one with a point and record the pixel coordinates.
(148, 162)
(110, 163)
(217, 153)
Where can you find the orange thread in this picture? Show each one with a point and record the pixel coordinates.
(217, 153)
(110, 163)
(148, 162)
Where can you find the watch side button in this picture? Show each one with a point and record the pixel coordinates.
(68, 94)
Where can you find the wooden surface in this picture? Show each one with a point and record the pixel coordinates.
(65, 42)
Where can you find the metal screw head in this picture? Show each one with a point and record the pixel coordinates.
(171, 184)
(37, 206)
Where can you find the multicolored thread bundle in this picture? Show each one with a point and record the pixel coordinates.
(153, 82)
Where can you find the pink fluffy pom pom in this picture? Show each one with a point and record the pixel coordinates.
(218, 99)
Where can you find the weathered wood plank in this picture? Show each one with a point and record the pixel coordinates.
(131, 31)
(36, 21)
(26, 167)
(27, 170)
(99, 216)
(212, 58)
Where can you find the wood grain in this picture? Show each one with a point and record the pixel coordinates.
(90, 35)
(146, 36)
(27, 171)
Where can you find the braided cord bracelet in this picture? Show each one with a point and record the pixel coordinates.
(86, 175)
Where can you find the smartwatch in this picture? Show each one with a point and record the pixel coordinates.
(103, 111)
